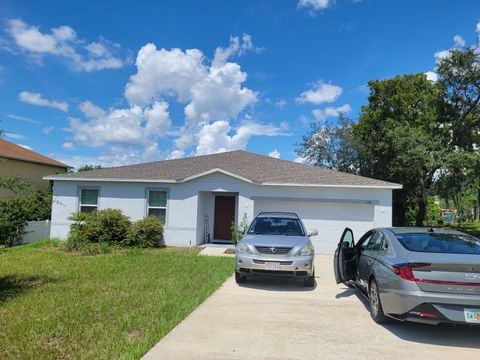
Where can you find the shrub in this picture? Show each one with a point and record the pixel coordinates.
(27, 204)
(145, 233)
(238, 232)
(109, 226)
(12, 221)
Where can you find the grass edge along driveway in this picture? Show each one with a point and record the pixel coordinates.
(55, 304)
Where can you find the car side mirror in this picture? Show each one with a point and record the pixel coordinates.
(312, 232)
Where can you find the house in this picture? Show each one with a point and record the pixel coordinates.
(199, 197)
(18, 161)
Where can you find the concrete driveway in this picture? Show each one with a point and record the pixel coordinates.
(280, 319)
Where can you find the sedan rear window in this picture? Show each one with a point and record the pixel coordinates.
(440, 243)
(276, 226)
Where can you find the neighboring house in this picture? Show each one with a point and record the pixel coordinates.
(199, 197)
(15, 160)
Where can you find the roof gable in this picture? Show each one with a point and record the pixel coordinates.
(13, 151)
(249, 167)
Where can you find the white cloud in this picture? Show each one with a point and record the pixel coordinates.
(118, 127)
(459, 41)
(25, 146)
(63, 42)
(168, 72)
(91, 110)
(68, 146)
(131, 126)
(14, 136)
(300, 160)
(237, 47)
(23, 118)
(439, 55)
(47, 129)
(210, 92)
(39, 100)
(320, 93)
(477, 29)
(315, 5)
(280, 104)
(158, 119)
(218, 137)
(275, 154)
(322, 114)
(432, 76)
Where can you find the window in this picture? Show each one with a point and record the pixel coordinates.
(88, 200)
(157, 204)
(375, 242)
(450, 243)
(276, 226)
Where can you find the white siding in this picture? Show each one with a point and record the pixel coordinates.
(189, 202)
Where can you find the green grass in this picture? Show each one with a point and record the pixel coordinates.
(472, 228)
(55, 304)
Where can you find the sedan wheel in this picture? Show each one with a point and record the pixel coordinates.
(376, 310)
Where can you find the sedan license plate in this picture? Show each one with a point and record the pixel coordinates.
(272, 265)
(472, 315)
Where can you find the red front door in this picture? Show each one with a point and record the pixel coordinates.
(224, 215)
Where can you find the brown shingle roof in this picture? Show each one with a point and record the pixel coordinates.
(251, 167)
(12, 151)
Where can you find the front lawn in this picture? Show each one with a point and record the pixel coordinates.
(472, 228)
(55, 304)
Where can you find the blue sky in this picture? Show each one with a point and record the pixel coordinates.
(112, 83)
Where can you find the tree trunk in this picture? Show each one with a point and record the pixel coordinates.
(399, 199)
(422, 210)
(477, 217)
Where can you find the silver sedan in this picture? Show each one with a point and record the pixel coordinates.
(414, 274)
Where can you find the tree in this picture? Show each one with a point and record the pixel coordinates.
(396, 139)
(459, 81)
(89, 167)
(331, 146)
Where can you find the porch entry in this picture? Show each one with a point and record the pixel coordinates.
(224, 214)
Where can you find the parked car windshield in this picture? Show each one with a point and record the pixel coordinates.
(276, 226)
(440, 243)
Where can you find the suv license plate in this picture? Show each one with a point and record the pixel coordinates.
(272, 266)
(472, 315)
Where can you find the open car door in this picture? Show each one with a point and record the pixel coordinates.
(344, 261)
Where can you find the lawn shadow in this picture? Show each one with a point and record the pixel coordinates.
(442, 335)
(276, 284)
(14, 285)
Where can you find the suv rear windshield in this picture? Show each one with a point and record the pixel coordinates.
(440, 243)
(265, 225)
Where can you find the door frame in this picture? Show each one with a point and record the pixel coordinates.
(235, 214)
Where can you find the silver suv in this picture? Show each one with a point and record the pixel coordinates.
(276, 244)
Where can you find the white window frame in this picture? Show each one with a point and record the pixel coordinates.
(80, 205)
(148, 207)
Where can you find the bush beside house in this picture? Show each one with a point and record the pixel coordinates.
(28, 204)
(98, 231)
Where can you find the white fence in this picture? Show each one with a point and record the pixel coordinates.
(36, 231)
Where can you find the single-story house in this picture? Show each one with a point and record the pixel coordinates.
(199, 197)
(15, 160)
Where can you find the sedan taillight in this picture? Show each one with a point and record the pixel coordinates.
(405, 271)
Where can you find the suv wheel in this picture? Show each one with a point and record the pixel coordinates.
(310, 281)
(239, 278)
(376, 309)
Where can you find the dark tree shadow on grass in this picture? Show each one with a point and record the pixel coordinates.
(14, 285)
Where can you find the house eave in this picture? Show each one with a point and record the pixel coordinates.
(179, 181)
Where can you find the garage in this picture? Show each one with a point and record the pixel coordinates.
(329, 218)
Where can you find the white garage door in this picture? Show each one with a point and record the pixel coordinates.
(330, 219)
